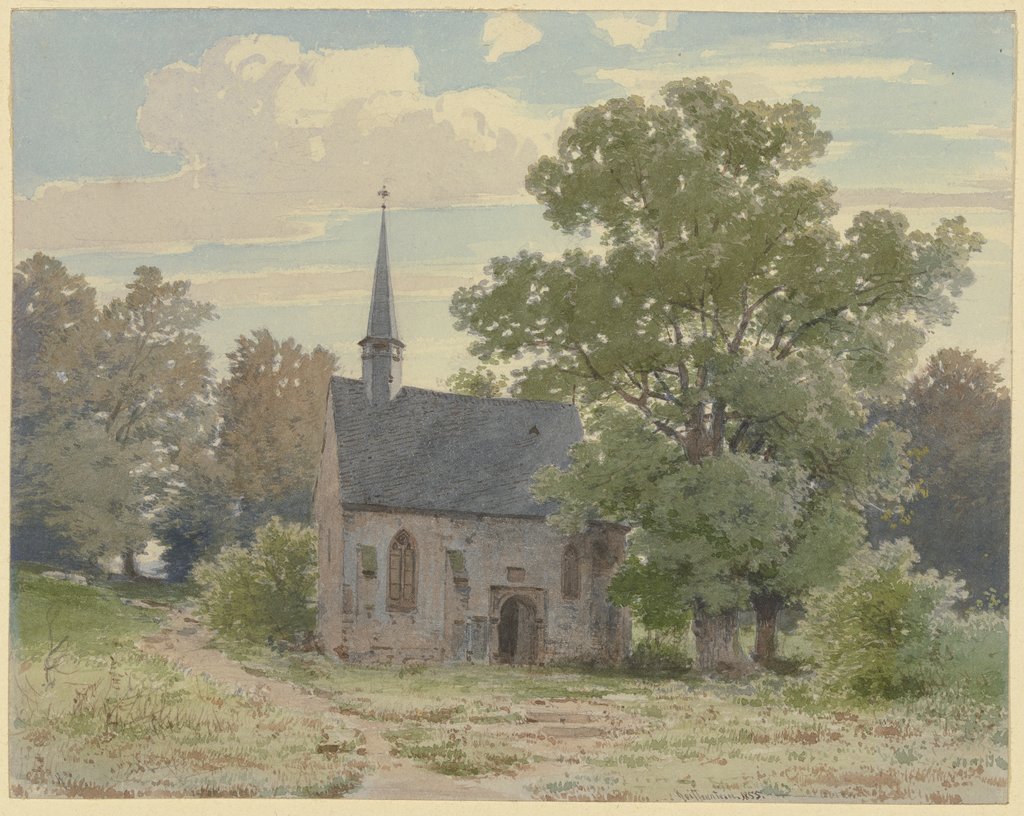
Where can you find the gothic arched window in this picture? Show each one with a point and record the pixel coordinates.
(402, 572)
(570, 573)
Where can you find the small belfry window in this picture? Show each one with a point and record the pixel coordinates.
(570, 573)
(402, 572)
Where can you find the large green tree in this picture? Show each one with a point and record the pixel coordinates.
(723, 342)
(957, 412)
(154, 387)
(273, 406)
(55, 336)
(108, 402)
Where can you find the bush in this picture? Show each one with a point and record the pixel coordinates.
(878, 634)
(653, 595)
(658, 658)
(975, 655)
(266, 592)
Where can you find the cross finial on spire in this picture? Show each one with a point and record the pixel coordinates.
(383, 193)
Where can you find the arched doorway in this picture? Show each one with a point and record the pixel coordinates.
(517, 631)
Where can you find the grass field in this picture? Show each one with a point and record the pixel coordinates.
(98, 717)
(92, 716)
(670, 740)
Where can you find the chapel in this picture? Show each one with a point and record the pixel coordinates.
(432, 548)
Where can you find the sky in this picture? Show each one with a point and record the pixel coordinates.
(243, 150)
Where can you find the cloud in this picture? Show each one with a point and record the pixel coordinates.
(786, 46)
(321, 284)
(630, 29)
(508, 34)
(775, 80)
(272, 138)
(994, 199)
(837, 149)
(964, 132)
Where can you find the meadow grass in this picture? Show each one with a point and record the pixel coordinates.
(711, 743)
(92, 716)
(44, 610)
(764, 738)
(120, 723)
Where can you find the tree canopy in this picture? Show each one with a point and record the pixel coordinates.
(957, 412)
(122, 436)
(105, 401)
(725, 341)
(273, 406)
(480, 382)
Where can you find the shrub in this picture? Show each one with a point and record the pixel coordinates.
(658, 658)
(652, 593)
(879, 632)
(265, 592)
(976, 655)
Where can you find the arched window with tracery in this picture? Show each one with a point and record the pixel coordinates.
(402, 572)
(570, 573)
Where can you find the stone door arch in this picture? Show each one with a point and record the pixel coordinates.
(517, 632)
(517, 625)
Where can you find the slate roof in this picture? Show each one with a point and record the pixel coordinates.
(430, 450)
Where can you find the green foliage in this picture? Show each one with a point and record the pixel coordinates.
(53, 334)
(653, 593)
(887, 631)
(94, 491)
(105, 401)
(480, 382)
(156, 375)
(975, 657)
(273, 408)
(730, 333)
(709, 525)
(958, 414)
(198, 519)
(263, 592)
(658, 658)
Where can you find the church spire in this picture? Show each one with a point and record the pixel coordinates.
(382, 321)
(382, 350)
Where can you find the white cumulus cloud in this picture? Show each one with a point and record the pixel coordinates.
(508, 34)
(631, 29)
(271, 138)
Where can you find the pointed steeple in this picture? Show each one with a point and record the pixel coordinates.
(382, 321)
(382, 350)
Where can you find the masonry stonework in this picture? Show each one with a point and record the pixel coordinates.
(432, 547)
(457, 615)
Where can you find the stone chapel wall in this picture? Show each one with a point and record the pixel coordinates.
(466, 567)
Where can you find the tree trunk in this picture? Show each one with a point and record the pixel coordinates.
(128, 565)
(705, 435)
(767, 606)
(718, 643)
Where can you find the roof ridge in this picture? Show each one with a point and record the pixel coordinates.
(453, 395)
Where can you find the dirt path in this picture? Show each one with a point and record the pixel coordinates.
(186, 644)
